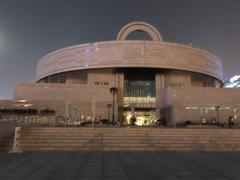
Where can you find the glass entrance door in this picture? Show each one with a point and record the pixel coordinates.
(139, 99)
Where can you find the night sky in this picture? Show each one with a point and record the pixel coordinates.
(29, 29)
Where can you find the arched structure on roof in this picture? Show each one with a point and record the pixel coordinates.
(139, 26)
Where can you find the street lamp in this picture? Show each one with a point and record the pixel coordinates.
(113, 90)
(217, 111)
(109, 106)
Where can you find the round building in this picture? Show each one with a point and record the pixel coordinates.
(140, 71)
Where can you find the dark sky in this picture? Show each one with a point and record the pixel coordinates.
(29, 29)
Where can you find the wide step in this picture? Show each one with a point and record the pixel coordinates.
(130, 139)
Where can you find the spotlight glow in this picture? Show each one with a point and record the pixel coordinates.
(234, 82)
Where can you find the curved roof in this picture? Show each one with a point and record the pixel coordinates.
(116, 54)
(122, 53)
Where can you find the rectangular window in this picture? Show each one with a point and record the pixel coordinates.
(101, 83)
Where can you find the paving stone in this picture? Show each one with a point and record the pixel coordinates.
(120, 165)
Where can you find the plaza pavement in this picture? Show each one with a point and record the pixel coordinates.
(100, 165)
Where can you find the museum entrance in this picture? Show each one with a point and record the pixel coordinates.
(139, 97)
(140, 116)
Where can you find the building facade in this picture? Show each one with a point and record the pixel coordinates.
(234, 82)
(152, 80)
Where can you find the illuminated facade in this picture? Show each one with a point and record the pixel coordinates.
(154, 80)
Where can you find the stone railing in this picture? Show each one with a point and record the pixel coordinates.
(29, 120)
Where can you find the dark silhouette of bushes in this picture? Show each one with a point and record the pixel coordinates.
(47, 112)
(26, 112)
(18, 111)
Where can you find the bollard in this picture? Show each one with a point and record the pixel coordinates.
(16, 146)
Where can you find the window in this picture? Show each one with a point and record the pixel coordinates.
(101, 83)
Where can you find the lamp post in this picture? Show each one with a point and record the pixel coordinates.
(109, 106)
(217, 111)
(113, 90)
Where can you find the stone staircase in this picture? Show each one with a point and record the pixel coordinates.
(127, 139)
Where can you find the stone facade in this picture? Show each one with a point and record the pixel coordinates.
(194, 104)
(77, 99)
(138, 54)
(76, 81)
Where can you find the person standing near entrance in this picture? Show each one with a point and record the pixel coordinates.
(230, 122)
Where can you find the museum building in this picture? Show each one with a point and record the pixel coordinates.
(120, 79)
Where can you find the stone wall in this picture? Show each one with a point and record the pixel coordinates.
(179, 104)
(196, 103)
(79, 98)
